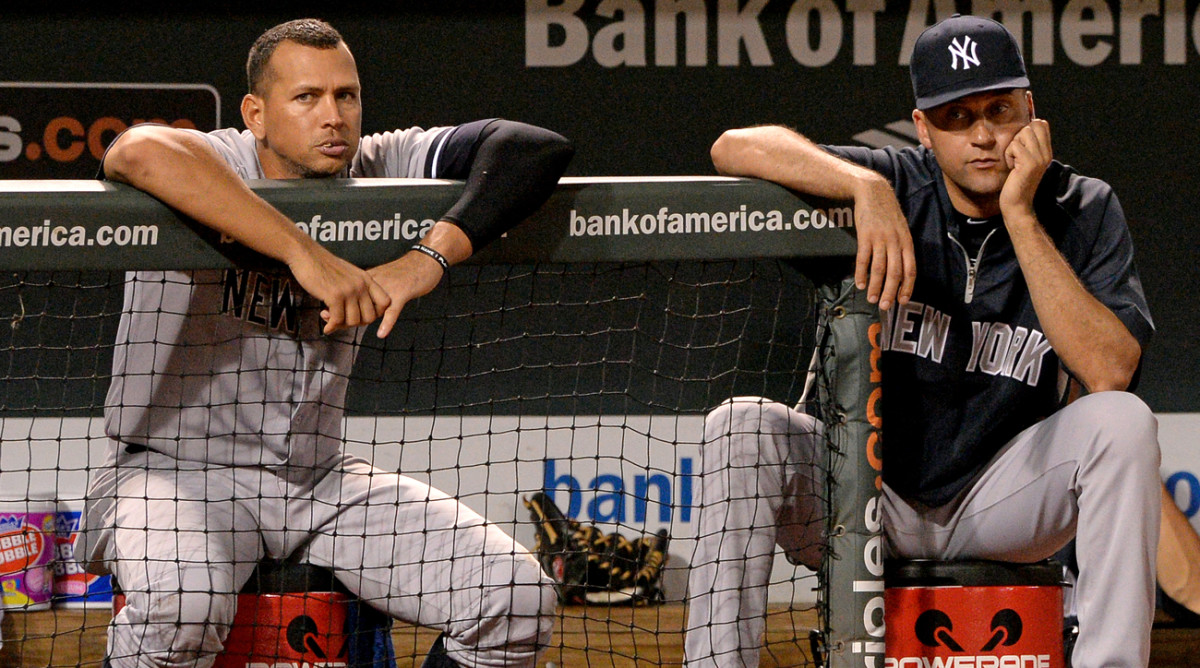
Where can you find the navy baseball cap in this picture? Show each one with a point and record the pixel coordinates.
(964, 55)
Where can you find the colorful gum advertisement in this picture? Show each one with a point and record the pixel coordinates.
(26, 553)
(60, 130)
(73, 586)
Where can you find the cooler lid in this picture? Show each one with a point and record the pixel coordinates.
(971, 573)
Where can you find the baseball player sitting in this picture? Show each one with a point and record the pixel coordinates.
(996, 267)
(225, 417)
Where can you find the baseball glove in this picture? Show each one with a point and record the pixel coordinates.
(593, 567)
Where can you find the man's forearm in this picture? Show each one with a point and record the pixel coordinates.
(449, 240)
(182, 172)
(783, 156)
(885, 265)
(1087, 336)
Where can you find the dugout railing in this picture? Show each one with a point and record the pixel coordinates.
(82, 226)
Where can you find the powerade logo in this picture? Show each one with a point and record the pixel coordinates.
(933, 628)
(308, 644)
(61, 130)
(970, 661)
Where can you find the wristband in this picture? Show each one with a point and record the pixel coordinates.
(438, 257)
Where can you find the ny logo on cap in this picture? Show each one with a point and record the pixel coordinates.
(958, 51)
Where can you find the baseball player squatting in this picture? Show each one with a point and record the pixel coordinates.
(996, 268)
(225, 419)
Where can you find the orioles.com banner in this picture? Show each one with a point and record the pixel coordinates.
(60, 130)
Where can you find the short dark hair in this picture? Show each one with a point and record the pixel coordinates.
(314, 33)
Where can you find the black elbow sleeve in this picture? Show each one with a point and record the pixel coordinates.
(515, 169)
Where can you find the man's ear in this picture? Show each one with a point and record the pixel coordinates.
(252, 115)
(1029, 100)
(920, 121)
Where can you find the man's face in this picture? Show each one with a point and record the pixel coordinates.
(968, 136)
(308, 118)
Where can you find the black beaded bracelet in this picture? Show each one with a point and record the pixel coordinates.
(441, 259)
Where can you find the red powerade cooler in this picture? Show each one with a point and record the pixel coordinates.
(293, 614)
(982, 614)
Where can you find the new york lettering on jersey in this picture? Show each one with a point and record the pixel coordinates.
(266, 299)
(997, 348)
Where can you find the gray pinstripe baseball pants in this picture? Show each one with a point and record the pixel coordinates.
(183, 538)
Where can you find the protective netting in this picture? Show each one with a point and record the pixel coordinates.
(586, 383)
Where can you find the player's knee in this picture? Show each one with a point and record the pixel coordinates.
(740, 413)
(190, 625)
(529, 626)
(547, 609)
(737, 418)
(744, 431)
(534, 604)
(1126, 428)
(518, 615)
(532, 594)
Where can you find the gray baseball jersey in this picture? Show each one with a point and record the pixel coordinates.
(193, 345)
